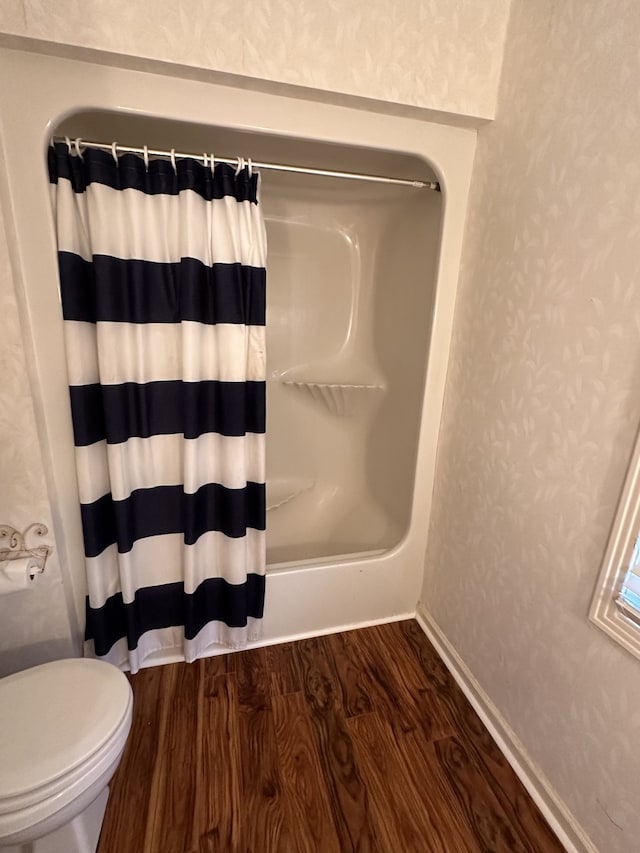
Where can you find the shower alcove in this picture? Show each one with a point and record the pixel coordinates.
(350, 284)
(361, 282)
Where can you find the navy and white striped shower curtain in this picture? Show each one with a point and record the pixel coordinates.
(162, 277)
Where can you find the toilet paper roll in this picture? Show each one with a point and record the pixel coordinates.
(17, 575)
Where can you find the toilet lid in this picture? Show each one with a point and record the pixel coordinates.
(54, 717)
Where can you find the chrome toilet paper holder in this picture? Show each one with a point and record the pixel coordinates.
(18, 548)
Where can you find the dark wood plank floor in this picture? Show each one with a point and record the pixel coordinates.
(353, 742)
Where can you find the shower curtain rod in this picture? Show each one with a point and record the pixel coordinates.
(327, 173)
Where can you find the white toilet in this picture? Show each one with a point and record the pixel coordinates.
(63, 728)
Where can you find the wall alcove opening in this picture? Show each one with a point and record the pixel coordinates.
(351, 281)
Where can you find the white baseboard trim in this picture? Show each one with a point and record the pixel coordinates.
(164, 657)
(542, 793)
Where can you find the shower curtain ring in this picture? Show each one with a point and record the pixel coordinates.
(68, 141)
(114, 151)
(213, 162)
(77, 143)
(250, 167)
(173, 161)
(146, 158)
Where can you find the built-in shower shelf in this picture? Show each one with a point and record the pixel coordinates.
(339, 398)
(284, 489)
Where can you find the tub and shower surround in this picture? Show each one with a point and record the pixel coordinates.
(162, 276)
(349, 308)
(99, 98)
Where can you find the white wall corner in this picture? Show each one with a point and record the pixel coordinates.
(553, 808)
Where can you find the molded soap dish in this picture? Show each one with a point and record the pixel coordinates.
(339, 398)
(284, 489)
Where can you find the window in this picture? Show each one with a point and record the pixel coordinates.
(616, 602)
(628, 600)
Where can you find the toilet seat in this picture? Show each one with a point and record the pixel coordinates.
(63, 726)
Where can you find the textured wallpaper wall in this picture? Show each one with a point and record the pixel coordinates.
(34, 626)
(543, 401)
(426, 53)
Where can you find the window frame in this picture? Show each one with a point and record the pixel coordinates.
(604, 611)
